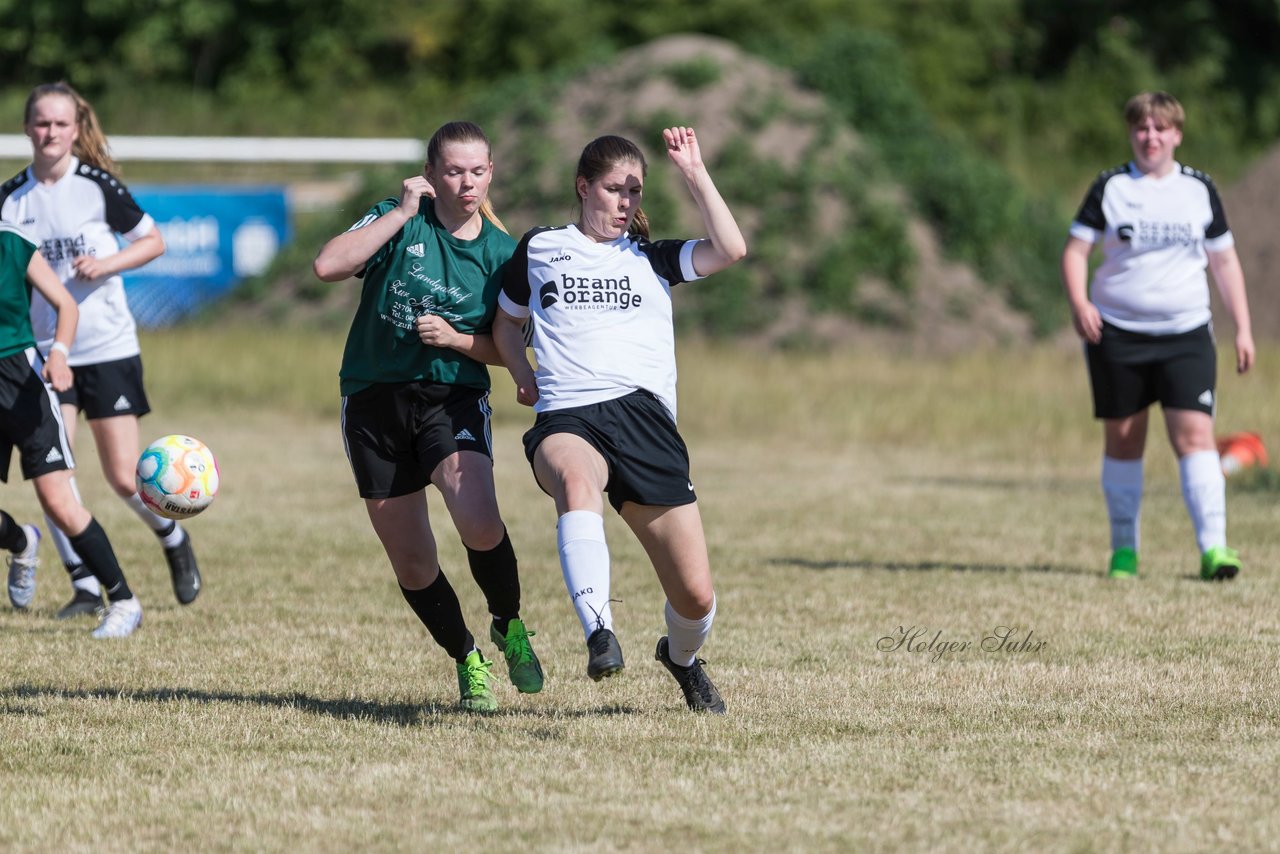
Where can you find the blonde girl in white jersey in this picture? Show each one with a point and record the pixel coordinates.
(70, 200)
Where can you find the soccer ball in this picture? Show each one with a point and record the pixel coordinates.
(177, 476)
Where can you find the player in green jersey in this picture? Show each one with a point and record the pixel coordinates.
(415, 405)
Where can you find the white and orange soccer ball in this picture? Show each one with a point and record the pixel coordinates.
(177, 476)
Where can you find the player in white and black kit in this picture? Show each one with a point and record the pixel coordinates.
(598, 295)
(70, 201)
(1146, 323)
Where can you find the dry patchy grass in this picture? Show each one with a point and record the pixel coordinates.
(848, 499)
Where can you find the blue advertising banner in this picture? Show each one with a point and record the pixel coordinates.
(214, 237)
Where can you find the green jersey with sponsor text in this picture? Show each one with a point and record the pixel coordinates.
(423, 269)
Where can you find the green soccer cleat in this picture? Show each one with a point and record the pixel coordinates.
(1219, 563)
(1124, 564)
(473, 684)
(523, 666)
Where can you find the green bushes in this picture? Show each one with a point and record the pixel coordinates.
(981, 215)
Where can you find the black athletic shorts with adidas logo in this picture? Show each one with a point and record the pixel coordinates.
(396, 434)
(108, 389)
(30, 419)
(1130, 371)
(647, 458)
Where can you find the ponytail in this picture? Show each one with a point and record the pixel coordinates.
(639, 225)
(486, 211)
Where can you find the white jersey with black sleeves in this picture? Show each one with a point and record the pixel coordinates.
(1155, 234)
(601, 313)
(80, 214)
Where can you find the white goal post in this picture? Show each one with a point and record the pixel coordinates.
(245, 149)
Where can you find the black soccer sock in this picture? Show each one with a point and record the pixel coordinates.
(437, 607)
(496, 573)
(92, 545)
(12, 537)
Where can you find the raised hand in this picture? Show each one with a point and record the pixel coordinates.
(682, 148)
(412, 191)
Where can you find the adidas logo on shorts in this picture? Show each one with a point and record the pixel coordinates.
(464, 435)
(54, 456)
(1206, 398)
(121, 403)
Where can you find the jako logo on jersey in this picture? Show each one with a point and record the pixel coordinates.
(565, 257)
(548, 295)
(585, 292)
(1125, 233)
(417, 250)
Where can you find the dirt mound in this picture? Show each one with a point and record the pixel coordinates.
(793, 141)
(1253, 209)
(732, 97)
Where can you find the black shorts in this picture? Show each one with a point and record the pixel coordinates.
(1130, 371)
(648, 461)
(30, 419)
(108, 389)
(397, 433)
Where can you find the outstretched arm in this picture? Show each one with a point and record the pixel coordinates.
(1229, 277)
(725, 244)
(47, 283)
(345, 255)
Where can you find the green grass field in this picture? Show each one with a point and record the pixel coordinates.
(298, 705)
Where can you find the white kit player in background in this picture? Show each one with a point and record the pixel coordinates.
(597, 295)
(1146, 324)
(71, 202)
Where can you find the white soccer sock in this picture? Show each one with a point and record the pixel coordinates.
(1122, 487)
(685, 637)
(155, 522)
(584, 561)
(1204, 489)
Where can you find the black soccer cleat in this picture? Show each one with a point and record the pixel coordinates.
(699, 693)
(604, 655)
(82, 604)
(183, 570)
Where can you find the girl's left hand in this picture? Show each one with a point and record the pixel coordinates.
(435, 331)
(682, 148)
(56, 372)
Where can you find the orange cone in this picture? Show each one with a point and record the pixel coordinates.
(1241, 451)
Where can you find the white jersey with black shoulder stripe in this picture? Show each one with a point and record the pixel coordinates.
(600, 313)
(80, 214)
(1155, 234)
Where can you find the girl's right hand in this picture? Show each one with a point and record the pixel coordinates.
(412, 191)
